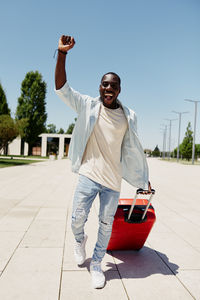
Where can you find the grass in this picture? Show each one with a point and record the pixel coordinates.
(4, 162)
(23, 156)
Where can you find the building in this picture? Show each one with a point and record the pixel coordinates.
(50, 143)
(62, 146)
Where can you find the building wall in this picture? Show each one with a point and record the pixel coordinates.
(25, 149)
(14, 148)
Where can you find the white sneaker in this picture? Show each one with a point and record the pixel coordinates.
(79, 251)
(98, 278)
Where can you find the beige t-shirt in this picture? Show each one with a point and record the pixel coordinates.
(101, 159)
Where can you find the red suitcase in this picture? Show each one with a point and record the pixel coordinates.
(132, 224)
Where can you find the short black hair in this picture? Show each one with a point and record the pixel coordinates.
(114, 74)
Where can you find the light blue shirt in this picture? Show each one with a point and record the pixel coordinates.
(134, 164)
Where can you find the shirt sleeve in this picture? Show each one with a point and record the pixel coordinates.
(72, 98)
(133, 120)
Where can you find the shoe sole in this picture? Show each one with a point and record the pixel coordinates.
(99, 287)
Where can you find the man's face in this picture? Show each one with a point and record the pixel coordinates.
(109, 90)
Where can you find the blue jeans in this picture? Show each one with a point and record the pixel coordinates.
(84, 196)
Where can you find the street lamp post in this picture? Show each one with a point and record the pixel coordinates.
(179, 129)
(195, 123)
(170, 126)
(164, 140)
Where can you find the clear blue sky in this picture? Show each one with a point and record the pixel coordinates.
(154, 45)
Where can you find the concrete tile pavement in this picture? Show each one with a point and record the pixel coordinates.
(36, 243)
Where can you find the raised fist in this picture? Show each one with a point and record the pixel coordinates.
(66, 43)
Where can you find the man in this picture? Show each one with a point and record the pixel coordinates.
(103, 149)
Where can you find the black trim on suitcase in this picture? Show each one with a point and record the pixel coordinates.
(135, 218)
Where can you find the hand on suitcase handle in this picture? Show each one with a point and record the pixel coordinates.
(150, 192)
(146, 192)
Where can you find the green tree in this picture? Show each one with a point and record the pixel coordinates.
(71, 127)
(4, 109)
(156, 152)
(51, 128)
(197, 150)
(21, 125)
(175, 152)
(61, 131)
(186, 146)
(31, 106)
(8, 131)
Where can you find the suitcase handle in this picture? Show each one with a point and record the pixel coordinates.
(141, 191)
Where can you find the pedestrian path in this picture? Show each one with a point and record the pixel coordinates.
(36, 243)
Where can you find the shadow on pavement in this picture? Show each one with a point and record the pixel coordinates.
(137, 264)
(140, 264)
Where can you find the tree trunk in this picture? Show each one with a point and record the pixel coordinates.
(30, 147)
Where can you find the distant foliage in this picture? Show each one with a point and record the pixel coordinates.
(61, 131)
(4, 109)
(31, 106)
(186, 146)
(175, 152)
(156, 152)
(71, 127)
(197, 150)
(51, 128)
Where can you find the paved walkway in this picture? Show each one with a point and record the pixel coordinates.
(36, 260)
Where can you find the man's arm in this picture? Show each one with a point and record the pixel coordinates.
(72, 98)
(65, 44)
